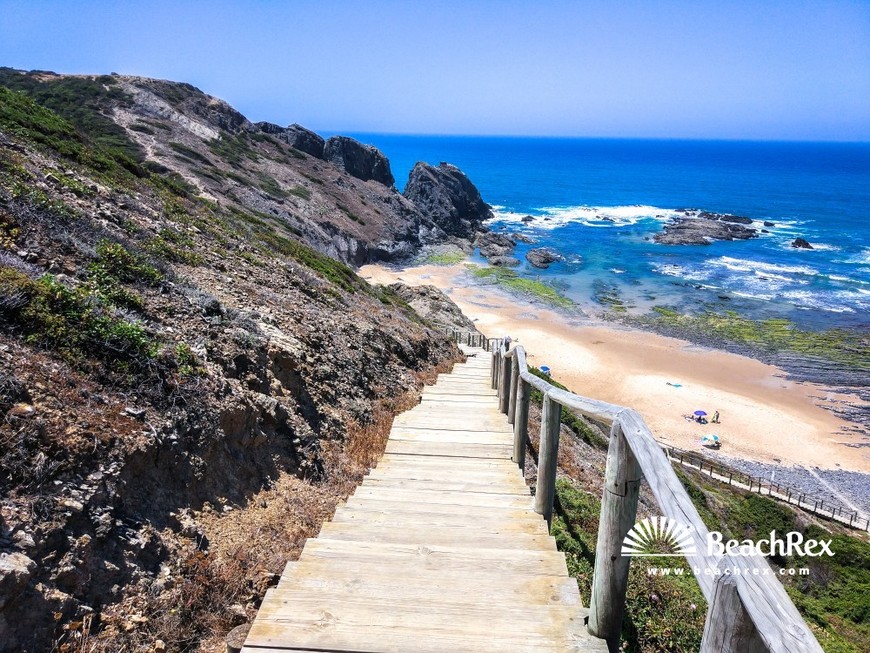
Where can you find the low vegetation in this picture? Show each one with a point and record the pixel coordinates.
(513, 282)
(444, 258)
(849, 348)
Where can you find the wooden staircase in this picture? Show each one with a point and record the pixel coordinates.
(439, 549)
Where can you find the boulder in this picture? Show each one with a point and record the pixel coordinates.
(15, 572)
(492, 244)
(523, 238)
(542, 257)
(362, 161)
(297, 137)
(446, 196)
(504, 261)
(801, 243)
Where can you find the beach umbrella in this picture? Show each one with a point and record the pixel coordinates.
(710, 440)
(700, 413)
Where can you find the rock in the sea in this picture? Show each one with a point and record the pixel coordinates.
(364, 162)
(768, 223)
(801, 243)
(542, 257)
(703, 227)
(523, 238)
(493, 244)
(528, 218)
(445, 195)
(297, 137)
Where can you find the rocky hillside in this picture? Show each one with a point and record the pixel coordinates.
(189, 382)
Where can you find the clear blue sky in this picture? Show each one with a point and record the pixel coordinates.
(691, 69)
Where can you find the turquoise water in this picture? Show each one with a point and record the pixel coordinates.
(599, 202)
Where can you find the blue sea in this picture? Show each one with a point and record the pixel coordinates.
(599, 202)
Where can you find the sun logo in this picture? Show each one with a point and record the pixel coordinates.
(658, 536)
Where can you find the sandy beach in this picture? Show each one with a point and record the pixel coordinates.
(764, 417)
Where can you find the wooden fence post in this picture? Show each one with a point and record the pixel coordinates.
(504, 385)
(521, 422)
(729, 628)
(494, 370)
(515, 381)
(548, 455)
(622, 477)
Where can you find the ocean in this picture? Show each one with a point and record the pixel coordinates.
(598, 202)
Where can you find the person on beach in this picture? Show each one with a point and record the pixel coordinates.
(715, 419)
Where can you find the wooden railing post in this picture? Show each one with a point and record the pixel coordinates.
(494, 369)
(521, 422)
(548, 455)
(728, 628)
(504, 384)
(618, 511)
(515, 378)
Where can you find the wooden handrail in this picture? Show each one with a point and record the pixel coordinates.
(749, 609)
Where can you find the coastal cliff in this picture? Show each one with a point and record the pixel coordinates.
(185, 355)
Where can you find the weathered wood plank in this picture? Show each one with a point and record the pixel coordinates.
(548, 456)
(459, 537)
(449, 498)
(400, 556)
(418, 434)
(439, 513)
(433, 588)
(503, 486)
(481, 522)
(448, 448)
(618, 511)
(728, 628)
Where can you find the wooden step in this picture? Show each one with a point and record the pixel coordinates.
(451, 449)
(405, 515)
(398, 506)
(429, 497)
(369, 581)
(402, 556)
(509, 485)
(453, 536)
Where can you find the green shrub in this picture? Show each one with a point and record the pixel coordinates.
(73, 322)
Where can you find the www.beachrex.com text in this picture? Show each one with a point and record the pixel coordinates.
(746, 571)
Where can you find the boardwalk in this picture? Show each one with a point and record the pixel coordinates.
(439, 549)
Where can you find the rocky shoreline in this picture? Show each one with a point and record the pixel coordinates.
(817, 482)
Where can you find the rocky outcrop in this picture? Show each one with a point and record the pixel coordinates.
(494, 244)
(446, 196)
(543, 257)
(433, 305)
(296, 136)
(801, 243)
(364, 162)
(703, 227)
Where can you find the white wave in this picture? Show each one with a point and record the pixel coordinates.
(861, 258)
(850, 280)
(747, 265)
(551, 217)
(674, 270)
(743, 293)
(617, 270)
(826, 247)
(811, 299)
